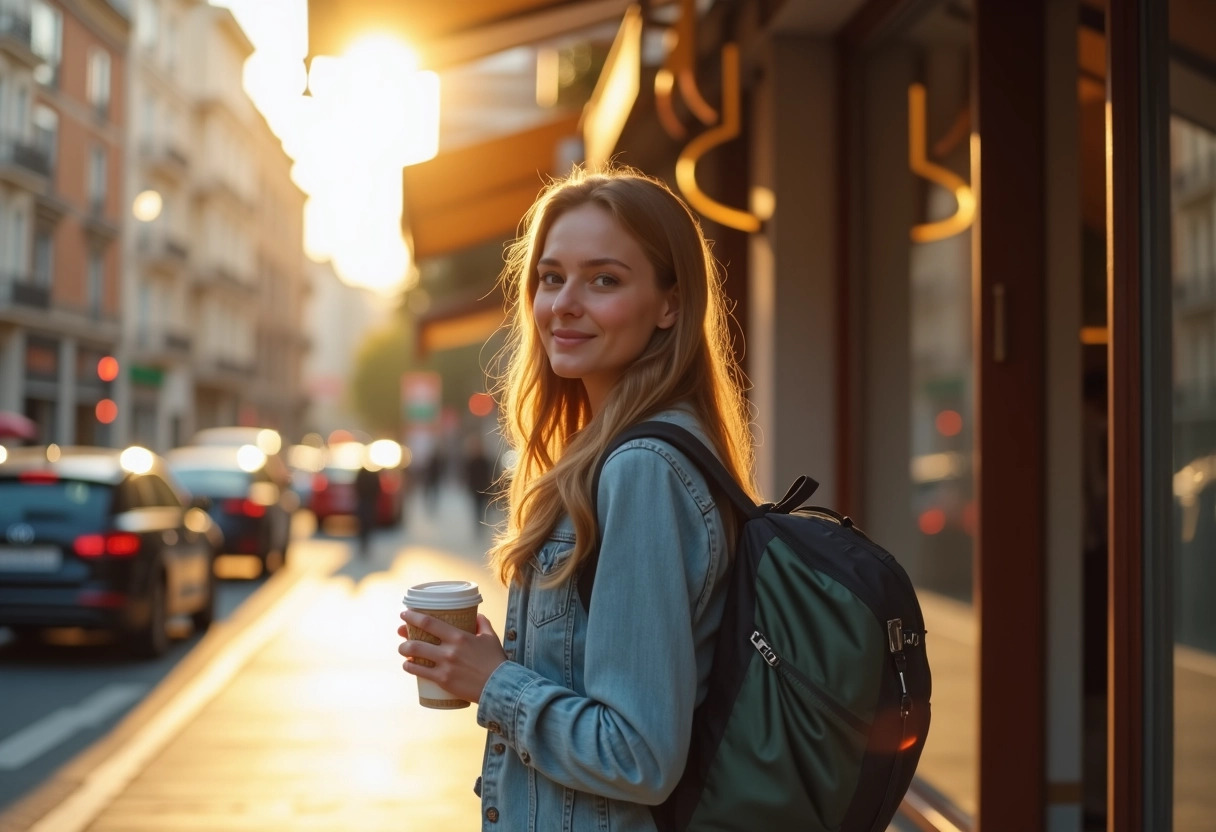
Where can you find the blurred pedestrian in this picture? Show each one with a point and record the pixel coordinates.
(478, 477)
(432, 476)
(367, 504)
(619, 317)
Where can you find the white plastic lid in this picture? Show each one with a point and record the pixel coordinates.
(443, 595)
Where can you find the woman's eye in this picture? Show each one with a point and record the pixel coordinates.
(550, 279)
(605, 280)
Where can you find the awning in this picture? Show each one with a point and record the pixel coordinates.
(479, 193)
(452, 32)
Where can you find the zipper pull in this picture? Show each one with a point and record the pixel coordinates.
(763, 648)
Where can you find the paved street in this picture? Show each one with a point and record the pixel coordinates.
(304, 720)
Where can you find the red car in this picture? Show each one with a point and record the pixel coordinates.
(333, 487)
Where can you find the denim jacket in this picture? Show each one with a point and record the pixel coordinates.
(589, 719)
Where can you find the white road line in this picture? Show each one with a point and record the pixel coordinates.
(35, 740)
(108, 780)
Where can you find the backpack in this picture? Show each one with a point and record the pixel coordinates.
(818, 705)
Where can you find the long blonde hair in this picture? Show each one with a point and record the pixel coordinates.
(548, 420)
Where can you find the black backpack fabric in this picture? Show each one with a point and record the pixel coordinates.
(818, 706)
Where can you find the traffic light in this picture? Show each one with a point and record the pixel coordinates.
(107, 370)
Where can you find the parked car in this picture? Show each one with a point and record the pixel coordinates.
(303, 463)
(333, 487)
(248, 504)
(100, 538)
(266, 440)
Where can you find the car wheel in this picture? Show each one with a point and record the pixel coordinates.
(152, 639)
(202, 617)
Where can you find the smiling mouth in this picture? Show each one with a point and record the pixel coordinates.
(569, 338)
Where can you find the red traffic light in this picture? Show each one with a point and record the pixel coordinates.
(107, 368)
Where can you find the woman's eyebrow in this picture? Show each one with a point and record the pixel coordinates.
(597, 261)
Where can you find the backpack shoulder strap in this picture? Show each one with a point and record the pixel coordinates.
(692, 447)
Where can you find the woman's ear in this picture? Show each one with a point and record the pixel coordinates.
(670, 310)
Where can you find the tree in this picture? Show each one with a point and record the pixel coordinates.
(375, 388)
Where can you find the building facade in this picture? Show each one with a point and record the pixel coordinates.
(66, 112)
(216, 283)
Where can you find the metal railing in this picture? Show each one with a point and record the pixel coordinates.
(18, 290)
(30, 157)
(14, 26)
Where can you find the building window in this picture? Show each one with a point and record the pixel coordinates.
(99, 82)
(97, 179)
(147, 22)
(44, 257)
(46, 132)
(96, 276)
(46, 39)
(17, 246)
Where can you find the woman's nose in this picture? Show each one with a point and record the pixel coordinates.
(566, 301)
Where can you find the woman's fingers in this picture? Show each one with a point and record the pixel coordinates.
(439, 628)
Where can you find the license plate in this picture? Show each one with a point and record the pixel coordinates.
(30, 559)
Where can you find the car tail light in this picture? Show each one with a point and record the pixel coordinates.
(246, 507)
(320, 482)
(38, 477)
(116, 544)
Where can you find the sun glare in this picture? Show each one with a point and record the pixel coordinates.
(368, 114)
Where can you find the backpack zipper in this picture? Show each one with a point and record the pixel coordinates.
(799, 679)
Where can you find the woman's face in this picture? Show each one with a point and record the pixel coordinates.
(597, 300)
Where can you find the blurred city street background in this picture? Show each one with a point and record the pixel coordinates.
(297, 717)
(250, 324)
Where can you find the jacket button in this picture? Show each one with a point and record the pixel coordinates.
(524, 757)
(492, 815)
(510, 654)
(511, 634)
(499, 748)
(494, 728)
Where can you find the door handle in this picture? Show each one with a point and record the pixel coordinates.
(998, 323)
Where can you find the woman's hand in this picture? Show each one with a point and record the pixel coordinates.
(463, 661)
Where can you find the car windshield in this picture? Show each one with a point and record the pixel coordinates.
(342, 476)
(210, 482)
(56, 501)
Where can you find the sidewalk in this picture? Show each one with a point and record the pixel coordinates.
(303, 720)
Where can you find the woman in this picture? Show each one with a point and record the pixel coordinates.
(618, 317)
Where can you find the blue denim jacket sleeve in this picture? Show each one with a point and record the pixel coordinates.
(648, 643)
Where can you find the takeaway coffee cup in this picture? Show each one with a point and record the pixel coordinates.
(454, 602)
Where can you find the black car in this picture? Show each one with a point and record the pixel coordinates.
(243, 497)
(99, 538)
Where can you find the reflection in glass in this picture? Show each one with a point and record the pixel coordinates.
(916, 250)
(1193, 180)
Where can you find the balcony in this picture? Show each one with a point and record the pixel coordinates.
(24, 165)
(97, 223)
(159, 249)
(161, 344)
(17, 291)
(163, 157)
(16, 38)
(222, 276)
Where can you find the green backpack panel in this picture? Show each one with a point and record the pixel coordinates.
(818, 705)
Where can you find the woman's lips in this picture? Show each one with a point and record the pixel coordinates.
(570, 337)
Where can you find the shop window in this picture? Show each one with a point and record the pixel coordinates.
(915, 211)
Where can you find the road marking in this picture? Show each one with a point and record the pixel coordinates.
(35, 740)
(107, 781)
